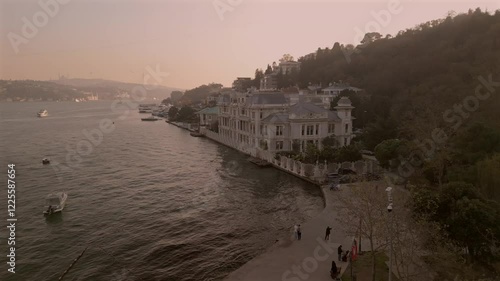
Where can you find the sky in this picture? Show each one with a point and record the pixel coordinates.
(195, 41)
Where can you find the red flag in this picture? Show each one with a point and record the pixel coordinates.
(354, 252)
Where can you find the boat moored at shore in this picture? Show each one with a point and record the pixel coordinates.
(151, 118)
(147, 107)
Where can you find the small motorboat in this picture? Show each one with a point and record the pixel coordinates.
(43, 113)
(259, 162)
(45, 161)
(55, 203)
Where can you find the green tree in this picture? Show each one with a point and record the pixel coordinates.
(172, 113)
(330, 141)
(380, 130)
(488, 176)
(166, 101)
(371, 37)
(286, 57)
(312, 153)
(388, 151)
(186, 114)
(258, 76)
(269, 70)
(467, 218)
(348, 153)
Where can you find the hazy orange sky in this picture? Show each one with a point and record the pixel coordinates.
(189, 39)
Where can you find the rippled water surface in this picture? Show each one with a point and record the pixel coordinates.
(148, 201)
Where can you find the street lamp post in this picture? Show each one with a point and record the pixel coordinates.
(389, 209)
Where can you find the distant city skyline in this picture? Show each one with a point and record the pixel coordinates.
(196, 42)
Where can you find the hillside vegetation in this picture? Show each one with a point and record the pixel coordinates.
(430, 112)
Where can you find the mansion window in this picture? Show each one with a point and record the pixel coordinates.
(243, 112)
(317, 129)
(331, 128)
(253, 115)
(346, 128)
(279, 145)
(310, 130)
(279, 130)
(263, 130)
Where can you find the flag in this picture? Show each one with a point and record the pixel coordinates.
(354, 251)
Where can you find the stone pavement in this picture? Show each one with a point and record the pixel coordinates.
(307, 259)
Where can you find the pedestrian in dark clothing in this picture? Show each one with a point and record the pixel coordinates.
(339, 251)
(334, 270)
(299, 233)
(327, 234)
(345, 257)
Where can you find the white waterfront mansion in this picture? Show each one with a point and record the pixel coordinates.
(271, 121)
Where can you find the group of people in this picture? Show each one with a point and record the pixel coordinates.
(342, 257)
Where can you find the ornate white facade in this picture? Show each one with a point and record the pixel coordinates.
(270, 121)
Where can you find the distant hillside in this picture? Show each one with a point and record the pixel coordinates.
(114, 87)
(30, 90)
(414, 77)
(200, 93)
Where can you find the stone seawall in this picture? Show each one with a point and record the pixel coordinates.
(314, 173)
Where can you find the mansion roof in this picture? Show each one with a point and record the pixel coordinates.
(209, 110)
(267, 98)
(301, 109)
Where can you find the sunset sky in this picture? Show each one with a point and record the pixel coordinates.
(189, 39)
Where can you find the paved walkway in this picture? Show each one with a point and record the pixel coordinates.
(307, 259)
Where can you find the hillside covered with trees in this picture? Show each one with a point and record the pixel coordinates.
(429, 111)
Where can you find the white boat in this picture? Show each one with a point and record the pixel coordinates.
(43, 113)
(55, 202)
(147, 108)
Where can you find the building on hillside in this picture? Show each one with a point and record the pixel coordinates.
(208, 117)
(269, 121)
(269, 82)
(328, 94)
(305, 123)
(242, 83)
(211, 100)
(286, 67)
(335, 88)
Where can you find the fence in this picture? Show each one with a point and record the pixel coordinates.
(312, 172)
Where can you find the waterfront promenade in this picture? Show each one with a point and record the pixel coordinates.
(311, 257)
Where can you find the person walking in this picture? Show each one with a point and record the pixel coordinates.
(334, 271)
(339, 251)
(299, 233)
(296, 231)
(327, 234)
